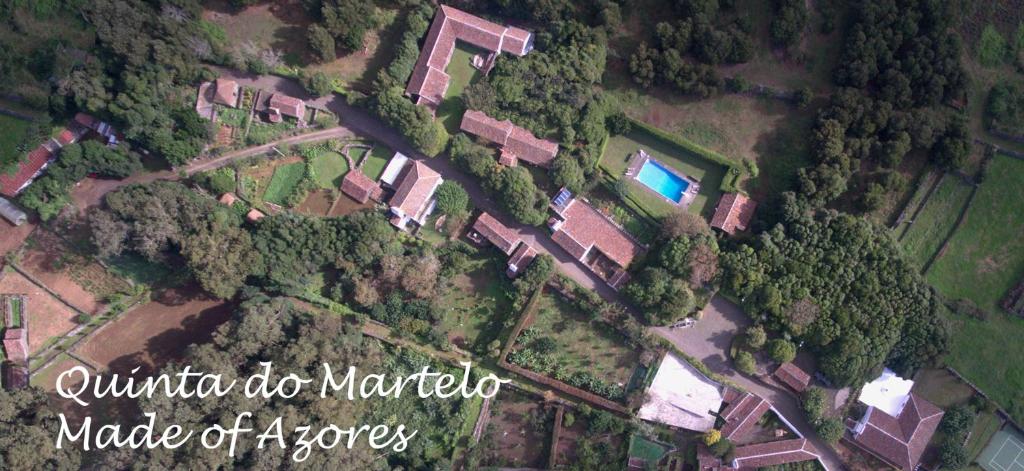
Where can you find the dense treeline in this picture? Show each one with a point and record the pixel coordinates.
(1004, 110)
(788, 22)
(416, 123)
(512, 187)
(900, 63)
(28, 426)
(341, 23)
(839, 284)
(685, 50)
(274, 330)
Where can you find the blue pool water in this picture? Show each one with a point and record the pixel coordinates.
(661, 180)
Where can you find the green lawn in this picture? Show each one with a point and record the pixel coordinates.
(262, 133)
(476, 306)
(709, 174)
(12, 131)
(640, 447)
(233, 117)
(376, 161)
(329, 168)
(984, 259)
(16, 312)
(462, 73)
(286, 178)
(936, 219)
(583, 345)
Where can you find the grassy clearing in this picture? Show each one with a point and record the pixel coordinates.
(925, 236)
(329, 168)
(985, 258)
(233, 117)
(583, 345)
(262, 133)
(462, 73)
(286, 179)
(709, 174)
(376, 160)
(12, 130)
(476, 305)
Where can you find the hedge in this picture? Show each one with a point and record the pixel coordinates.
(730, 183)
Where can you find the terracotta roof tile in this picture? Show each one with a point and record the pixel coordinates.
(793, 376)
(762, 455)
(228, 199)
(900, 440)
(16, 344)
(255, 215)
(733, 213)
(503, 237)
(526, 146)
(522, 256)
(15, 376)
(66, 137)
(226, 92)
(288, 106)
(360, 187)
(478, 123)
(11, 184)
(585, 228)
(416, 186)
(742, 415)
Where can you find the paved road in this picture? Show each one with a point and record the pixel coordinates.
(709, 340)
(361, 122)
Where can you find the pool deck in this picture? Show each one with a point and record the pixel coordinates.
(637, 161)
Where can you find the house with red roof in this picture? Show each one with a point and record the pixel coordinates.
(741, 415)
(16, 344)
(429, 82)
(900, 439)
(593, 239)
(284, 105)
(763, 455)
(515, 142)
(733, 213)
(520, 259)
(360, 187)
(254, 215)
(488, 229)
(793, 376)
(26, 172)
(225, 92)
(414, 200)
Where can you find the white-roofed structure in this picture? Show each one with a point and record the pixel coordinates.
(680, 396)
(11, 213)
(888, 393)
(393, 169)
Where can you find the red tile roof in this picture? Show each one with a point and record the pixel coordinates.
(900, 440)
(733, 212)
(86, 120)
(11, 184)
(740, 416)
(226, 92)
(585, 228)
(416, 186)
(15, 376)
(522, 257)
(762, 455)
(66, 137)
(507, 158)
(255, 215)
(503, 237)
(288, 106)
(16, 344)
(516, 142)
(359, 187)
(429, 82)
(228, 199)
(793, 376)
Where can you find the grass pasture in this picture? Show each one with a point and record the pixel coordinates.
(286, 178)
(462, 73)
(376, 160)
(476, 306)
(329, 167)
(708, 173)
(930, 228)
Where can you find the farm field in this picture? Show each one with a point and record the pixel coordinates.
(476, 306)
(81, 281)
(286, 178)
(47, 317)
(582, 345)
(572, 439)
(329, 167)
(518, 432)
(709, 174)
(931, 227)
(155, 333)
(462, 73)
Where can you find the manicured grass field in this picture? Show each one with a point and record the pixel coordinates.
(329, 168)
(462, 73)
(12, 130)
(708, 173)
(936, 219)
(583, 345)
(985, 258)
(286, 178)
(376, 161)
(476, 305)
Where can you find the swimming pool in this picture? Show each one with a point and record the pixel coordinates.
(662, 180)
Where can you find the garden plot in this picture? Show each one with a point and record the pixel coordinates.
(78, 279)
(476, 306)
(575, 441)
(518, 432)
(48, 318)
(564, 343)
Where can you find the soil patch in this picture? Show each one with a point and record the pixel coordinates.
(46, 316)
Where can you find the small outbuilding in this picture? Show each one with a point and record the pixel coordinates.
(11, 212)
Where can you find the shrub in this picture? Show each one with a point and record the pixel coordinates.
(782, 351)
(830, 430)
(723, 449)
(452, 199)
(83, 318)
(814, 404)
(745, 363)
(568, 419)
(712, 436)
(957, 422)
(756, 337)
(952, 455)
(991, 47)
